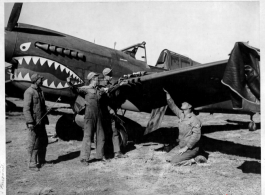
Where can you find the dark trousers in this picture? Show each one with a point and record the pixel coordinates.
(92, 126)
(189, 154)
(37, 144)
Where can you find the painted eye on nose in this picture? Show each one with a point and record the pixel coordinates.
(25, 46)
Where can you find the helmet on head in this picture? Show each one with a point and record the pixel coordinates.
(185, 106)
(91, 75)
(35, 77)
(106, 71)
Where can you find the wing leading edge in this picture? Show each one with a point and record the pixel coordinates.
(200, 85)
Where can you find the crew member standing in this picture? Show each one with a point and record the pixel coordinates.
(108, 117)
(92, 119)
(189, 133)
(35, 111)
(107, 74)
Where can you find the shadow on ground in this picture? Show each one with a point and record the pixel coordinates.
(227, 147)
(228, 127)
(250, 167)
(168, 137)
(67, 130)
(162, 135)
(66, 157)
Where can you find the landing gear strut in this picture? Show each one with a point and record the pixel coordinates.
(123, 136)
(252, 125)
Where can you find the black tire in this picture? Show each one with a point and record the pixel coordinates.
(123, 136)
(67, 129)
(252, 126)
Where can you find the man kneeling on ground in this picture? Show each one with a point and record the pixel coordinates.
(189, 134)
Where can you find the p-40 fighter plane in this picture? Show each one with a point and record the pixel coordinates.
(228, 86)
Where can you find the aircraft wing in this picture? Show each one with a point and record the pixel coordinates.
(207, 87)
(199, 85)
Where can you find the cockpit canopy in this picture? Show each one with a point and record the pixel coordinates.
(170, 60)
(136, 51)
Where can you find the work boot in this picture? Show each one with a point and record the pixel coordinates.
(84, 162)
(185, 163)
(46, 164)
(200, 159)
(34, 167)
(55, 135)
(119, 155)
(103, 159)
(33, 161)
(53, 140)
(41, 156)
(41, 159)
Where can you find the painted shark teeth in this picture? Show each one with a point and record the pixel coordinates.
(27, 59)
(62, 68)
(59, 86)
(35, 59)
(56, 65)
(20, 77)
(49, 63)
(52, 85)
(26, 77)
(45, 83)
(42, 61)
(20, 60)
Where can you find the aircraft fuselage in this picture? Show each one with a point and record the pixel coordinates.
(56, 56)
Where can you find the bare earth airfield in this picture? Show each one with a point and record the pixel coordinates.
(233, 165)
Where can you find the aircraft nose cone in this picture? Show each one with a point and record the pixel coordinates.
(10, 44)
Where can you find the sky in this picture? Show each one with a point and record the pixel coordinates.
(203, 31)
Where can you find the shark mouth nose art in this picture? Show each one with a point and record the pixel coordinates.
(54, 73)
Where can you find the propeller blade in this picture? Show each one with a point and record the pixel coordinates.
(14, 16)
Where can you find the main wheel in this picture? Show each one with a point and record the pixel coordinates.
(252, 126)
(123, 136)
(120, 126)
(67, 130)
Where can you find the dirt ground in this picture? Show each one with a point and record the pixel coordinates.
(233, 165)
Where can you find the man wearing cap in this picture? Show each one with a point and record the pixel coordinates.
(93, 117)
(189, 133)
(108, 120)
(35, 111)
(107, 74)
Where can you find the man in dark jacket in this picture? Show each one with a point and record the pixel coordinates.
(93, 117)
(34, 110)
